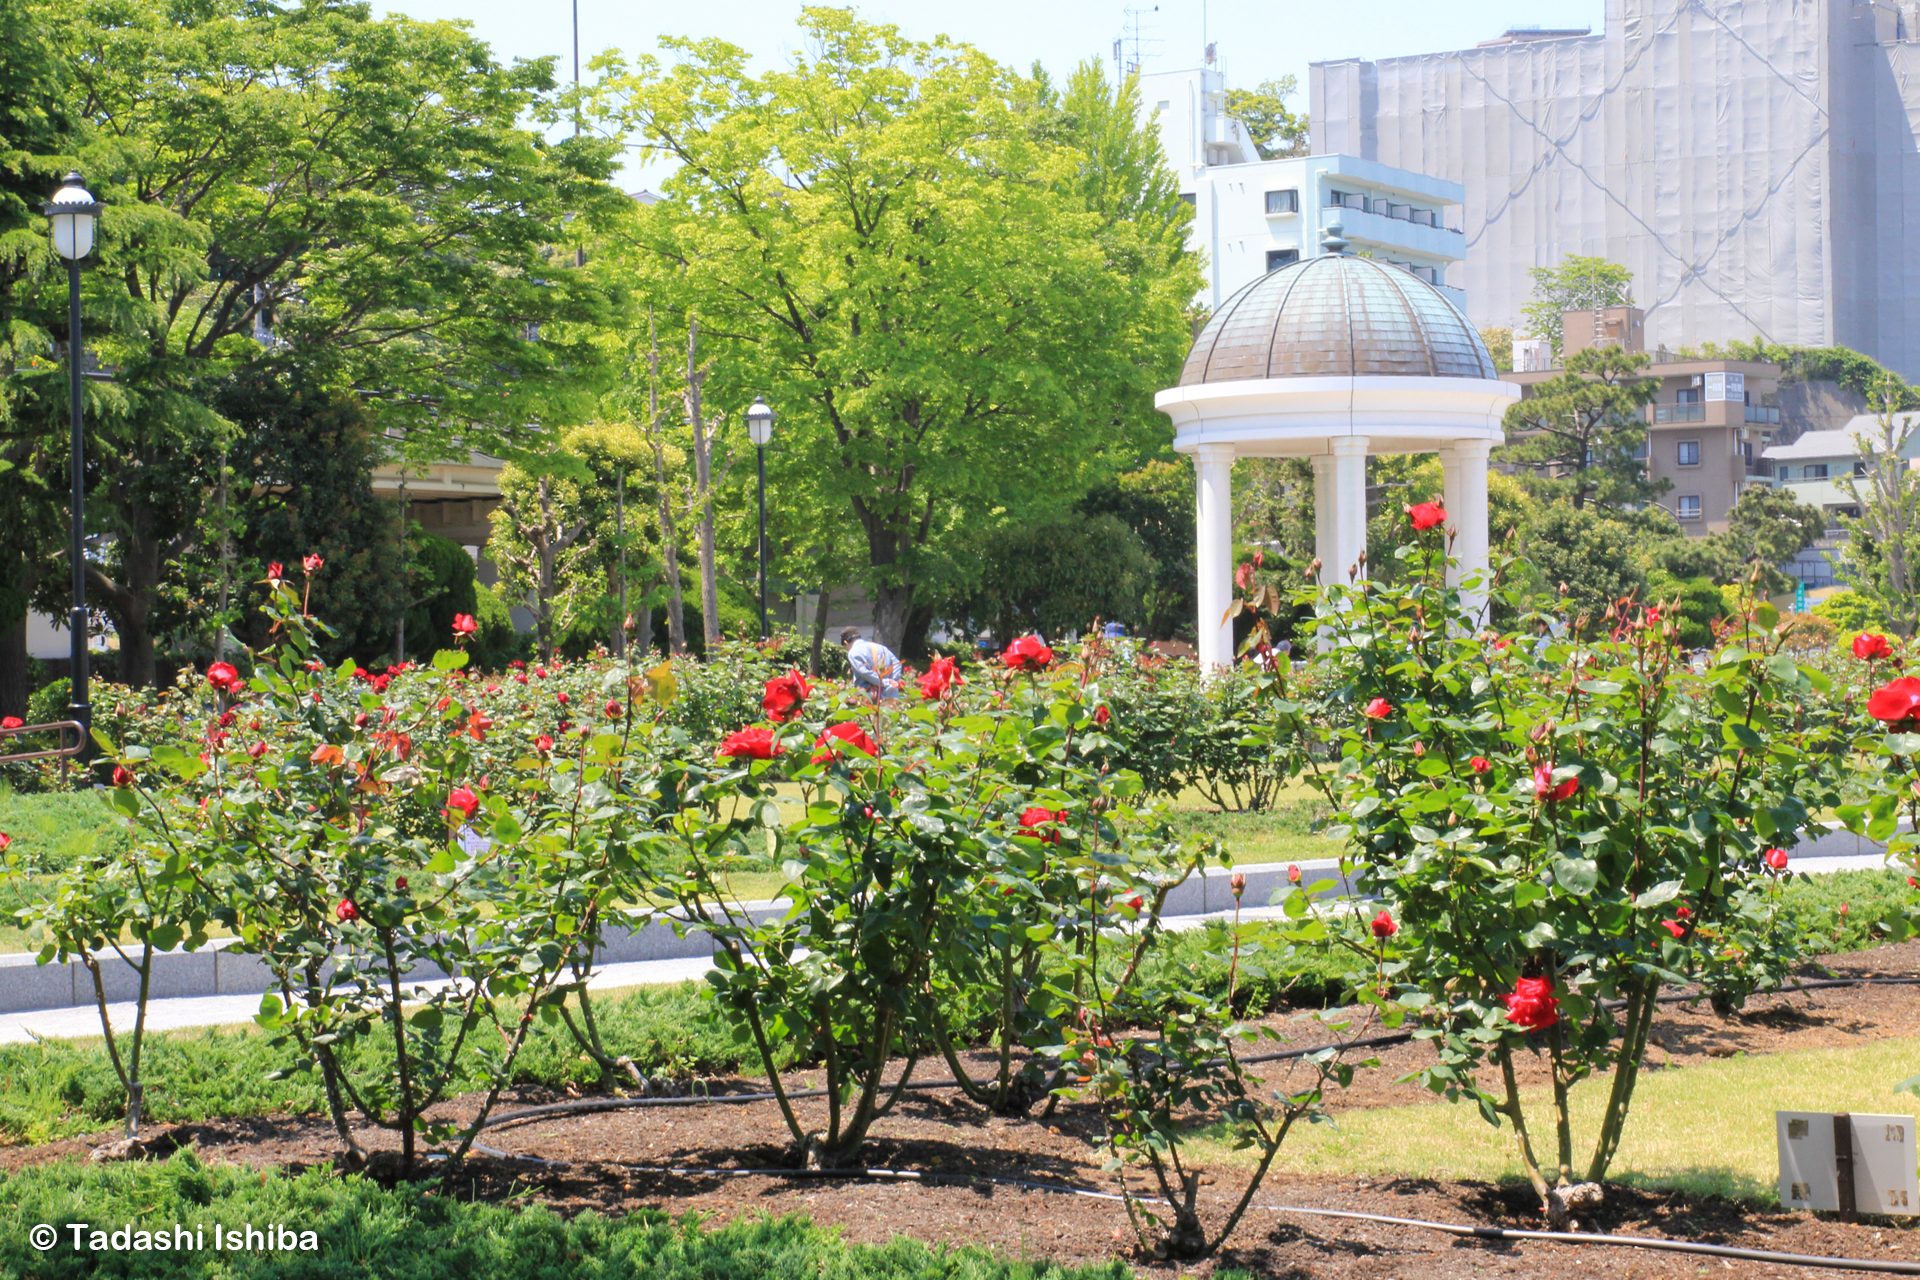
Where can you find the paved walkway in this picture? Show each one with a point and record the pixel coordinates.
(83, 1021)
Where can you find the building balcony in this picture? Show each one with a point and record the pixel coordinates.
(1667, 413)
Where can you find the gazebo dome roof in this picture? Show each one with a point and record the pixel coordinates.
(1337, 316)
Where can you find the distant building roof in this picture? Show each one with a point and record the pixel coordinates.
(1842, 443)
(1527, 35)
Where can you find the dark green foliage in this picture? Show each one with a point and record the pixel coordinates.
(366, 1231)
(1870, 896)
(1701, 606)
(1589, 556)
(1577, 434)
(497, 643)
(1059, 578)
(1862, 375)
(443, 587)
(303, 482)
(1156, 503)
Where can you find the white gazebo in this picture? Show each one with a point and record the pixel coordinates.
(1332, 359)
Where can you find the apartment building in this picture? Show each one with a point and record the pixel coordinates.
(1709, 427)
(1252, 216)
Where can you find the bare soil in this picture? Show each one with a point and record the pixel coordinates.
(724, 1161)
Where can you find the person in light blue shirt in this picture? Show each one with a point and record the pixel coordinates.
(876, 669)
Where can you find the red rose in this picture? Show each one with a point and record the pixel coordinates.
(1871, 648)
(275, 572)
(1028, 653)
(1238, 884)
(464, 625)
(1480, 764)
(400, 884)
(520, 677)
(750, 744)
(941, 678)
(845, 734)
(1532, 1004)
(541, 672)
(346, 910)
(518, 664)
(5, 840)
(562, 698)
(784, 696)
(1102, 716)
(543, 743)
(464, 800)
(1293, 873)
(1674, 927)
(1425, 516)
(1900, 700)
(612, 709)
(1032, 819)
(311, 564)
(1683, 913)
(222, 676)
(1383, 925)
(122, 776)
(1379, 709)
(1544, 788)
(11, 722)
(257, 750)
(1777, 859)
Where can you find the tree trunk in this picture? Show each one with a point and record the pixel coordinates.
(703, 492)
(892, 608)
(16, 678)
(131, 601)
(669, 537)
(819, 633)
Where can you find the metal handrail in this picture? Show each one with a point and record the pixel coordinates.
(64, 752)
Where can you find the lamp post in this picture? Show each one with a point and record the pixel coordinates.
(72, 213)
(760, 417)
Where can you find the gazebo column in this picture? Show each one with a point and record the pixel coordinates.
(1323, 506)
(1213, 558)
(1346, 518)
(1463, 463)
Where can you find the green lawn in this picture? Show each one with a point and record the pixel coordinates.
(1706, 1129)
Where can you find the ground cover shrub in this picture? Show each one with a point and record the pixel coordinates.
(361, 1229)
(1560, 818)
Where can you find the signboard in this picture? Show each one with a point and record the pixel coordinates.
(1877, 1174)
(1800, 597)
(1727, 386)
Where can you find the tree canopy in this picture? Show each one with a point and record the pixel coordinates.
(1277, 132)
(1583, 432)
(1577, 284)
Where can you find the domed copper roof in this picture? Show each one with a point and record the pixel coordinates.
(1337, 316)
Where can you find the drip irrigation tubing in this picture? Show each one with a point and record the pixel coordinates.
(589, 1105)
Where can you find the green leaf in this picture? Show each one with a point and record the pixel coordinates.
(1528, 892)
(166, 937)
(441, 863)
(1767, 616)
(1577, 876)
(448, 660)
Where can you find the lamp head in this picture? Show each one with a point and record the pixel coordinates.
(72, 212)
(760, 418)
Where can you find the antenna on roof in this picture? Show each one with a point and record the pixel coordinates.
(1133, 21)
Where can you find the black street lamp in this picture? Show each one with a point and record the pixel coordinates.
(73, 213)
(760, 430)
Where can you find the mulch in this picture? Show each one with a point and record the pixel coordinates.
(618, 1161)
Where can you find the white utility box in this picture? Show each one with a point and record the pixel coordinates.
(1878, 1174)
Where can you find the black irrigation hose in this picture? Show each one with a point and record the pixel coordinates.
(588, 1105)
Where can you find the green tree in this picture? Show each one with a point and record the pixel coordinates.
(1881, 554)
(364, 193)
(1583, 556)
(1155, 501)
(902, 243)
(1277, 132)
(1582, 433)
(1499, 342)
(1059, 578)
(1577, 284)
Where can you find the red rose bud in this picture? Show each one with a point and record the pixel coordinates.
(346, 910)
(1843, 908)
(400, 884)
(541, 672)
(464, 625)
(360, 721)
(520, 677)
(561, 697)
(783, 696)
(1101, 715)
(1293, 873)
(1545, 789)
(1379, 709)
(612, 709)
(5, 841)
(1479, 764)
(257, 750)
(1683, 913)
(1532, 1004)
(1777, 859)
(1871, 648)
(122, 777)
(1383, 926)
(543, 743)
(464, 800)
(1425, 516)
(311, 564)
(1238, 884)
(275, 572)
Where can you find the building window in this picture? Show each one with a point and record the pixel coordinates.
(1780, 471)
(1277, 258)
(1746, 451)
(1689, 453)
(1688, 508)
(1815, 471)
(1859, 468)
(1187, 198)
(1283, 201)
(1687, 395)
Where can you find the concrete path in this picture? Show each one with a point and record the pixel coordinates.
(83, 1021)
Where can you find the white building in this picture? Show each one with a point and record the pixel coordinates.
(1252, 216)
(1754, 164)
(1816, 467)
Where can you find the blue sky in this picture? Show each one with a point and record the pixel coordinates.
(1258, 39)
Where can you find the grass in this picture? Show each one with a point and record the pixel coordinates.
(1705, 1130)
(363, 1230)
(50, 832)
